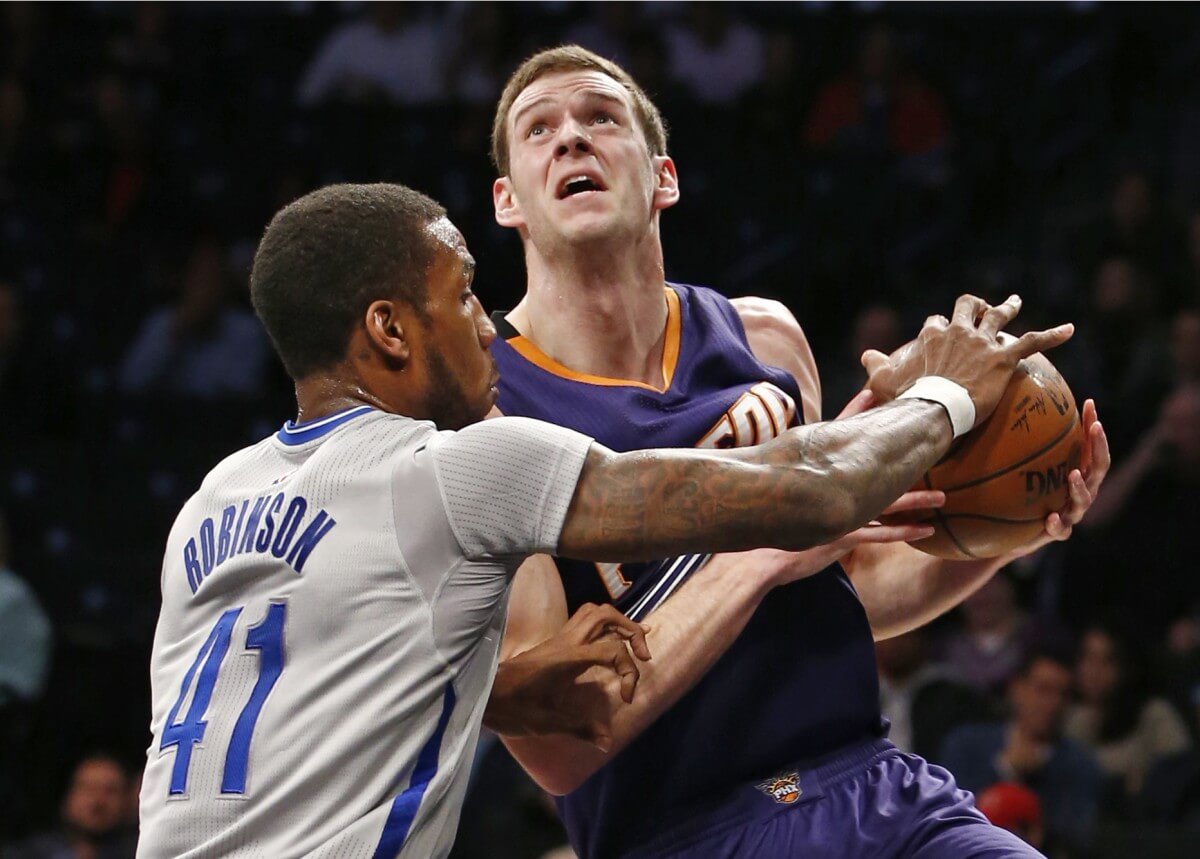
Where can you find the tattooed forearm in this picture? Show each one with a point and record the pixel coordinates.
(809, 486)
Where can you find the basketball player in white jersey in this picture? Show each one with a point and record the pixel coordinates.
(333, 597)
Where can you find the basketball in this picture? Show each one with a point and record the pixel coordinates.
(1002, 479)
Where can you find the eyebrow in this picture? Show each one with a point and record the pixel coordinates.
(468, 267)
(524, 110)
(590, 94)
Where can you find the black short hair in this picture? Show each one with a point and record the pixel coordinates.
(1057, 652)
(325, 257)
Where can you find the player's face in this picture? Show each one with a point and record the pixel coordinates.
(579, 165)
(451, 345)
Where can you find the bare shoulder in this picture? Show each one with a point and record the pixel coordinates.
(776, 338)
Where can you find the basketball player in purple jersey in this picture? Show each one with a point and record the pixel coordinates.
(756, 731)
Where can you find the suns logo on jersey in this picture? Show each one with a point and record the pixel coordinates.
(784, 789)
(758, 415)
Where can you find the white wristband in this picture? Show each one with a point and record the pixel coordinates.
(951, 396)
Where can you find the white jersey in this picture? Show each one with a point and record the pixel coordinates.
(333, 600)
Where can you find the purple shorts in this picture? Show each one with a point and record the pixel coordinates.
(870, 801)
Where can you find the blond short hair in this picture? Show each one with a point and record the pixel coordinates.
(570, 58)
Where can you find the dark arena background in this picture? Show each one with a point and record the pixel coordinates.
(864, 163)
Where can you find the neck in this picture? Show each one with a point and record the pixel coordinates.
(598, 310)
(321, 394)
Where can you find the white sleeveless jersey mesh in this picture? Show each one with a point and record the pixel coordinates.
(332, 605)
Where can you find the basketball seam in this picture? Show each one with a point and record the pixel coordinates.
(946, 524)
(985, 478)
(987, 518)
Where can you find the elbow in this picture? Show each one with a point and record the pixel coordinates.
(559, 784)
(558, 765)
(557, 776)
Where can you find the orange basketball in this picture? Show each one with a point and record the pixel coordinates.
(1003, 479)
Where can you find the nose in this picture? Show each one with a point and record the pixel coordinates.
(572, 137)
(487, 331)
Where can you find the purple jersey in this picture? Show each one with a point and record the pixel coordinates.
(800, 681)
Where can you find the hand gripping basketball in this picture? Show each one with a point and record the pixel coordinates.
(966, 349)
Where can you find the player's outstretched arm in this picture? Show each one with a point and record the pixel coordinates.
(812, 484)
(809, 486)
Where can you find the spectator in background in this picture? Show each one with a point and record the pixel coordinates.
(715, 58)
(1138, 227)
(1146, 520)
(1168, 453)
(389, 55)
(993, 640)
(1122, 349)
(205, 346)
(879, 107)
(93, 817)
(1171, 794)
(1126, 729)
(1030, 749)
(1016, 808)
(921, 698)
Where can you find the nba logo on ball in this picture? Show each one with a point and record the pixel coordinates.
(784, 789)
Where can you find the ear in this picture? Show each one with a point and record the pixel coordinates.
(666, 189)
(504, 201)
(386, 333)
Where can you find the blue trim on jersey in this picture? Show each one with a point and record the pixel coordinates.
(405, 805)
(293, 433)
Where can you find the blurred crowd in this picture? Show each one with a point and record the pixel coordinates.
(864, 165)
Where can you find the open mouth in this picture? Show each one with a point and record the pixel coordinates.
(578, 184)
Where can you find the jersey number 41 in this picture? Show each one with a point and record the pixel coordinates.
(267, 638)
